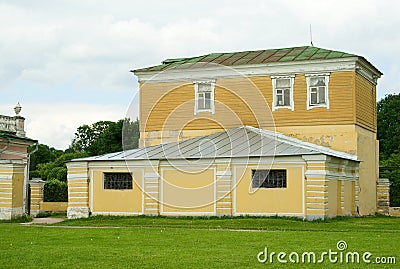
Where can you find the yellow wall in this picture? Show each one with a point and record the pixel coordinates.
(53, 206)
(188, 192)
(334, 195)
(365, 108)
(244, 101)
(369, 169)
(18, 188)
(273, 201)
(123, 201)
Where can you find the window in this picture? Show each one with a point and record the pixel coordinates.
(117, 181)
(317, 86)
(204, 96)
(268, 178)
(283, 92)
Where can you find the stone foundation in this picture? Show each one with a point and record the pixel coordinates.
(77, 212)
(11, 213)
(382, 196)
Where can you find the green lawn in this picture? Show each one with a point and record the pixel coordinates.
(159, 242)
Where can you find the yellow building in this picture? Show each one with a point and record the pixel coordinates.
(203, 124)
(13, 165)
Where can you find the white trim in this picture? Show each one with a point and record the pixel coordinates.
(225, 173)
(326, 76)
(90, 190)
(189, 213)
(291, 105)
(110, 213)
(196, 89)
(77, 176)
(218, 71)
(279, 214)
(303, 196)
(142, 190)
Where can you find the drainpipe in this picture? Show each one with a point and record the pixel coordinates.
(26, 178)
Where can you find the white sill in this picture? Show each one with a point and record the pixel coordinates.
(282, 107)
(315, 106)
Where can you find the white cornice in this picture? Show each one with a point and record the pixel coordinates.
(270, 69)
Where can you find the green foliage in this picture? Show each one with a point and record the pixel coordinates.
(388, 110)
(86, 135)
(55, 191)
(57, 168)
(59, 173)
(130, 134)
(388, 115)
(33, 174)
(44, 154)
(390, 168)
(106, 137)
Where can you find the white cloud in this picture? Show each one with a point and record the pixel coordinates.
(79, 52)
(55, 124)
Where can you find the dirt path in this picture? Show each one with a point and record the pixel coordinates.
(43, 221)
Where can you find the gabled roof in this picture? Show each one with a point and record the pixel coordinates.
(244, 141)
(295, 54)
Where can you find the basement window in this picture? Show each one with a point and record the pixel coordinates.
(283, 92)
(117, 181)
(317, 91)
(204, 96)
(268, 179)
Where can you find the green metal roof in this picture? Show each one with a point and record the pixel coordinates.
(295, 54)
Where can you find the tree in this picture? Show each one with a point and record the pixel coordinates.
(388, 110)
(57, 168)
(130, 134)
(106, 137)
(86, 135)
(44, 154)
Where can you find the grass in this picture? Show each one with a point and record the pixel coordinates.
(161, 242)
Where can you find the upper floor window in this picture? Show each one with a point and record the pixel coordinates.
(317, 90)
(283, 92)
(204, 96)
(268, 178)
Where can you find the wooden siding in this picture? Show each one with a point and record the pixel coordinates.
(243, 101)
(365, 111)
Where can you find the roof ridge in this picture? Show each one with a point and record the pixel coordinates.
(301, 143)
(230, 58)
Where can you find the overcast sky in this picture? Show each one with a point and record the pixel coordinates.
(67, 62)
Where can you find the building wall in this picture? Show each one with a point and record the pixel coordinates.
(318, 186)
(115, 201)
(169, 106)
(11, 189)
(188, 191)
(275, 201)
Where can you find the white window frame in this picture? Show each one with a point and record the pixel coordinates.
(274, 89)
(308, 79)
(196, 96)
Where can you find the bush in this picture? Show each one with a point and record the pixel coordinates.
(59, 173)
(34, 174)
(55, 191)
